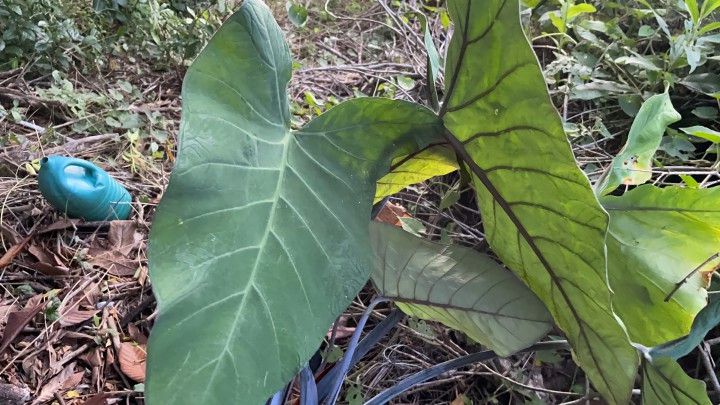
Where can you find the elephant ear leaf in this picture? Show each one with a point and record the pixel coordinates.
(540, 214)
(261, 239)
(458, 286)
(657, 236)
(665, 382)
(633, 165)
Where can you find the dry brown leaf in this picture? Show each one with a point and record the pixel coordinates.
(80, 307)
(13, 395)
(59, 225)
(132, 360)
(342, 330)
(99, 399)
(14, 250)
(114, 256)
(49, 270)
(124, 236)
(74, 315)
(48, 263)
(40, 253)
(6, 308)
(9, 234)
(63, 381)
(136, 335)
(390, 214)
(17, 320)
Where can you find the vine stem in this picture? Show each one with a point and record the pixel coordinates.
(442, 368)
(345, 365)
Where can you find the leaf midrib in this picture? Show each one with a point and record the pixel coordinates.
(485, 180)
(271, 218)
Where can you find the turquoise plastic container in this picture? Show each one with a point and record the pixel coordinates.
(80, 189)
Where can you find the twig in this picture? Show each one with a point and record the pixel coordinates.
(686, 278)
(73, 143)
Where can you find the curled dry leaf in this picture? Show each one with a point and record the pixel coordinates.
(132, 360)
(47, 263)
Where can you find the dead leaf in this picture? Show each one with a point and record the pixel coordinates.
(14, 250)
(142, 275)
(49, 270)
(123, 236)
(80, 307)
(72, 394)
(99, 399)
(342, 330)
(136, 335)
(40, 253)
(460, 400)
(390, 214)
(13, 395)
(114, 256)
(16, 321)
(6, 308)
(63, 381)
(59, 225)
(9, 234)
(132, 360)
(48, 263)
(74, 315)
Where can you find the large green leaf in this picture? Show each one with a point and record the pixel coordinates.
(539, 212)
(412, 169)
(665, 383)
(458, 286)
(707, 319)
(261, 239)
(657, 236)
(633, 165)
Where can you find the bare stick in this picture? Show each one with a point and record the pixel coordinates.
(692, 273)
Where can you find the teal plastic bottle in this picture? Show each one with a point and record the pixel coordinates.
(80, 189)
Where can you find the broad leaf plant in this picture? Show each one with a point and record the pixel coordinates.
(263, 236)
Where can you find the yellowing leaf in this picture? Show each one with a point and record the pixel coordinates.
(409, 170)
